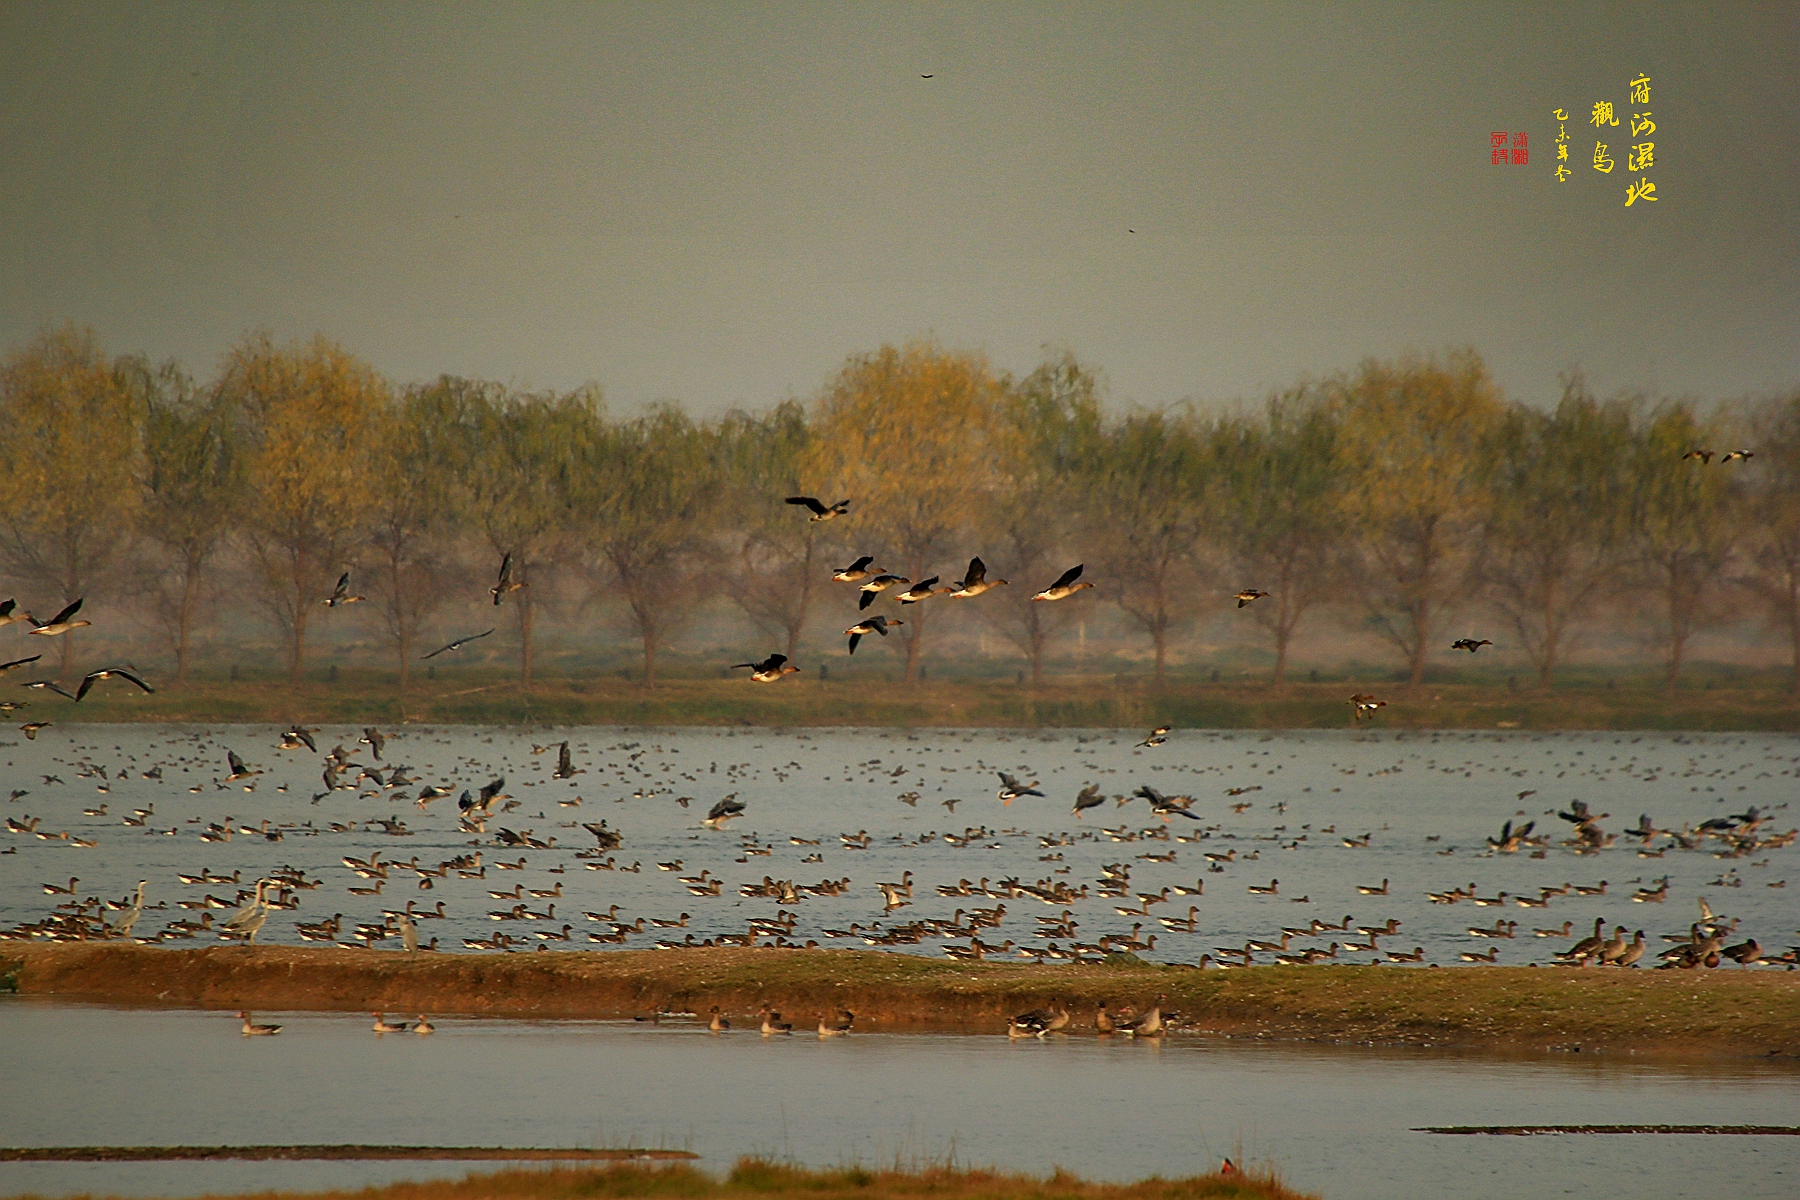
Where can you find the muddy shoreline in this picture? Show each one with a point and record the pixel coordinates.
(1714, 1013)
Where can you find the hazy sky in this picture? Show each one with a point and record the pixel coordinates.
(717, 203)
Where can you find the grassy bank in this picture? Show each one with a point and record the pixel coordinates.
(1076, 702)
(773, 1181)
(1523, 1008)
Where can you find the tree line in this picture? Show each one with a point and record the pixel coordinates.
(1400, 496)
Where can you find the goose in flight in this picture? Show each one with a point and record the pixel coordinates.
(769, 670)
(60, 623)
(505, 583)
(47, 685)
(1157, 736)
(238, 769)
(857, 571)
(9, 612)
(722, 812)
(1248, 595)
(18, 662)
(1065, 586)
(1364, 704)
(297, 736)
(1705, 456)
(1011, 789)
(1470, 644)
(374, 740)
(1742, 455)
(341, 593)
(1090, 797)
(880, 583)
(458, 644)
(820, 510)
(876, 624)
(925, 589)
(566, 769)
(93, 677)
(30, 728)
(975, 581)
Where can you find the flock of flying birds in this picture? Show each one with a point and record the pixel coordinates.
(244, 916)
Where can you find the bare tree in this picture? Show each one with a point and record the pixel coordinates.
(71, 464)
(780, 566)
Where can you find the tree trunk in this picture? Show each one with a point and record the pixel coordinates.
(1793, 619)
(1159, 633)
(184, 617)
(648, 627)
(297, 645)
(526, 614)
(1282, 635)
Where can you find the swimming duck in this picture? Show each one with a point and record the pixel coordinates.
(1065, 585)
(251, 1030)
(836, 1028)
(772, 1022)
(382, 1026)
(422, 1025)
(718, 1024)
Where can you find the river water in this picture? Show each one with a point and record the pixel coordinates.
(1338, 1122)
(1414, 808)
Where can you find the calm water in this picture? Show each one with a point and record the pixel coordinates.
(1335, 1121)
(1427, 802)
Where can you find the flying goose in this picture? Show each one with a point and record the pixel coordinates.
(1247, 596)
(880, 583)
(975, 581)
(1011, 789)
(1090, 797)
(60, 623)
(769, 670)
(925, 589)
(820, 511)
(341, 593)
(876, 624)
(18, 662)
(1065, 585)
(565, 769)
(505, 583)
(458, 644)
(722, 812)
(1469, 644)
(9, 612)
(857, 571)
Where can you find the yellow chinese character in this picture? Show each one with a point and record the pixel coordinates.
(1560, 115)
(1602, 163)
(1644, 159)
(1641, 123)
(1640, 90)
(1562, 152)
(1603, 114)
(1562, 174)
(1642, 190)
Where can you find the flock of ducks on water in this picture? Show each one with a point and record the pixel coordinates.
(422, 1026)
(243, 916)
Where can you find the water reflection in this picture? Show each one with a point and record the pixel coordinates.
(1336, 1120)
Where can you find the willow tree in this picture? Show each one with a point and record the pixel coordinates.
(1684, 529)
(193, 489)
(908, 434)
(69, 491)
(1411, 439)
(779, 564)
(652, 507)
(1149, 497)
(1555, 534)
(309, 412)
(1283, 518)
(1773, 558)
(521, 479)
(419, 461)
(1048, 436)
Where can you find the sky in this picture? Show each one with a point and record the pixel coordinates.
(717, 204)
